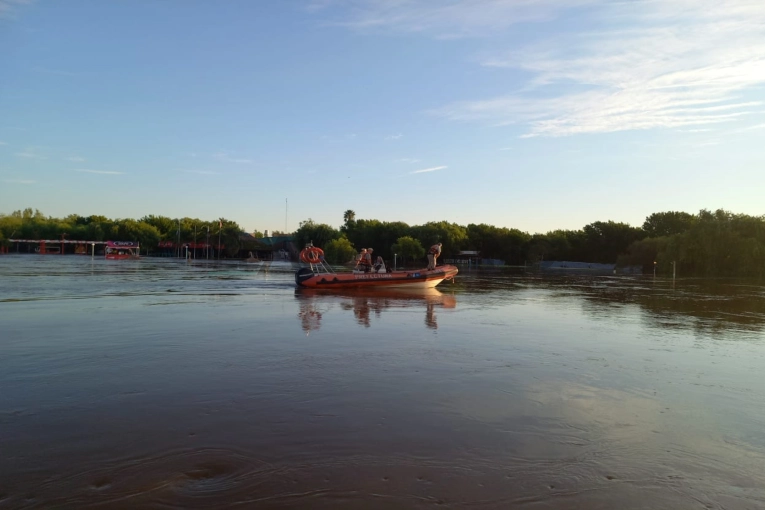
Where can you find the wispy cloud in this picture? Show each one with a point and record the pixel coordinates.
(431, 169)
(30, 154)
(408, 160)
(75, 159)
(394, 137)
(441, 18)
(100, 172)
(3, 143)
(657, 64)
(19, 181)
(226, 158)
(201, 172)
(7, 7)
(56, 72)
(670, 64)
(708, 143)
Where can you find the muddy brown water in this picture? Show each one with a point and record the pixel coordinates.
(162, 384)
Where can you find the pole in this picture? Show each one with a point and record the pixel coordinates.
(220, 227)
(195, 241)
(207, 244)
(179, 238)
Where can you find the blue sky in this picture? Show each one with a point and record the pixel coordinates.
(530, 114)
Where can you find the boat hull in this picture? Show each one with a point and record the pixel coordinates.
(417, 279)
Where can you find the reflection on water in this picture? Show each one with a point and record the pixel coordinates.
(162, 384)
(706, 306)
(364, 302)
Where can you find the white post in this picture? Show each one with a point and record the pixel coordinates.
(395, 256)
(92, 250)
(674, 269)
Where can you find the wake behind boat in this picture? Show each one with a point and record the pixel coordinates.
(320, 275)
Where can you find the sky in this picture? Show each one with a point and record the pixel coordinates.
(528, 114)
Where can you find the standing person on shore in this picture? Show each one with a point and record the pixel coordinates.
(433, 254)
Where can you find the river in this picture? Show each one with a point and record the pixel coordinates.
(162, 384)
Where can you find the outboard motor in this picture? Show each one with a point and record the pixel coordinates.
(303, 274)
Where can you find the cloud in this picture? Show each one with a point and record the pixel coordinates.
(408, 160)
(100, 172)
(3, 143)
(441, 18)
(591, 66)
(7, 7)
(19, 181)
(224, 157)
(394, 137)
(669, 64)
(432, 169)
(202, 172)
(29, 154)
(56, 72)
(75, 159)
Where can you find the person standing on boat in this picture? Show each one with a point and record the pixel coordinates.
(360, 258)
(433, 254)
(368, 259)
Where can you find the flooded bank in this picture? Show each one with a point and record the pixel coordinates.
(164, 384)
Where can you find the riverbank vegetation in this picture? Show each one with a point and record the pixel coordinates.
(149, 230)
(718, 243)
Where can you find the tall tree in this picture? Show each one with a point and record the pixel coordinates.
(317, 233)
(339, 251)
(667, 223)
(408, 248)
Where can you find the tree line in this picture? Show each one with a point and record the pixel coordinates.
(718, 243)
(149, 230)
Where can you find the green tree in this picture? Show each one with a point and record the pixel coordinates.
(452, 236)
(644, 253)
(606, 240)
(667, 223)
(317, 233)
(230, 239)
(408, 248)
(339, 251)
